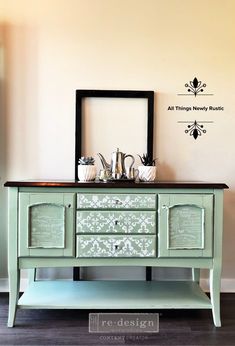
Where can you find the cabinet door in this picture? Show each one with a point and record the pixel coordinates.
(46, 224)
(185, 225)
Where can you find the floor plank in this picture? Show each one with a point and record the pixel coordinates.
(70, 327)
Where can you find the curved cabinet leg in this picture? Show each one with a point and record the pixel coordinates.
(14, 286)
(196, 274)
(13, 270)
(215, 275)
(215, 272)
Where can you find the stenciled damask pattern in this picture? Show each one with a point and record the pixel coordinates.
(116, 222)
(116, 246)
(116, 201)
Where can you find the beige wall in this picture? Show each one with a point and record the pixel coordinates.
(52, 47)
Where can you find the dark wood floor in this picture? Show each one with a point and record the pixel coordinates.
(70, 327)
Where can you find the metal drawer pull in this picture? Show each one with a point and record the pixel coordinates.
(117, 201)
(118, 246)
(69, 205)
(116, 222)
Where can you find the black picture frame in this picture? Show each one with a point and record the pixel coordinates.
(85, 93)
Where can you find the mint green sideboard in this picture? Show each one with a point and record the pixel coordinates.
(72, 224)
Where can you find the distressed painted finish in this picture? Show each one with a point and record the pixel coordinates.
(46, 224)
(116, 201)
(186, 227)
(185, 224)
(116, 222)
(116, 246)
(209, 197)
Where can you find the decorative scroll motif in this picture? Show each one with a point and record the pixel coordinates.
(186, 227)
(194, 128)
(196, 87)
(117, 246)
(119, 201)
(116, 222)
(46, 226)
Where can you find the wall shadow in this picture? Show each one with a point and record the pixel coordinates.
(3, 170)
(165, 172)
(21, 90)
(19, 122)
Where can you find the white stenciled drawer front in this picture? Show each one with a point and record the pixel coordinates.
(116, 246)
(116, 201)
(116, 221)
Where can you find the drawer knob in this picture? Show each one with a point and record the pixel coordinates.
(118, 246)
(118, 202)
(116, 222)
(69, 205)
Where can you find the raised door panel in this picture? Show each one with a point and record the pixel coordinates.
(185, 225)
(46, 224)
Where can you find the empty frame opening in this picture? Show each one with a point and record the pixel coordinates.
(111, 123)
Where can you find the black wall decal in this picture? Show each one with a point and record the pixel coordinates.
(195, 88)
(195, 128)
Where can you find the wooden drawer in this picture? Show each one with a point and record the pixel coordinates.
(116, 246)
(116, 201)
(116, 222)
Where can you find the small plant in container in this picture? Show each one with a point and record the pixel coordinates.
(148, 171)
(86, 168)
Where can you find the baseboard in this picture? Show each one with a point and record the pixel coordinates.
(4, 286)
(227, 285)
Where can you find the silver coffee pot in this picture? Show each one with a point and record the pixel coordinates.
(117, 167)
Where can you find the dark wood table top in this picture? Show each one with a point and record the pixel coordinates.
(117, 184)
